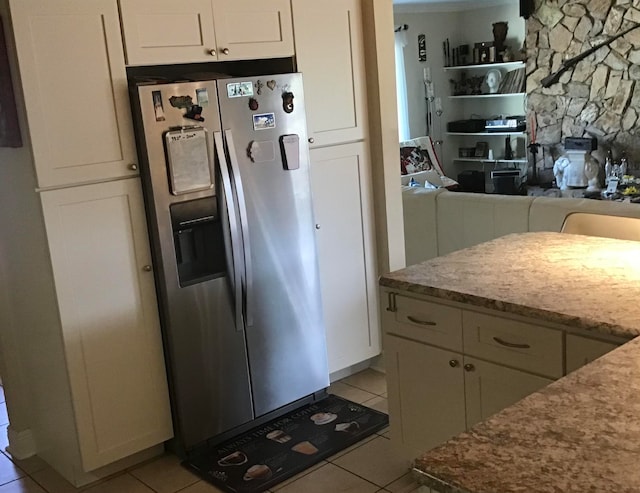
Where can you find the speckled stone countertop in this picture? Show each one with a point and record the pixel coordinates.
(579, 434)
(582, 281)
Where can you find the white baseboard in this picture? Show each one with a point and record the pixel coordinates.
(375, 363)
(22, 444)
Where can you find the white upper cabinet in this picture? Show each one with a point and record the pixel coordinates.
(164, 31)
(75, 90)
(330, 55)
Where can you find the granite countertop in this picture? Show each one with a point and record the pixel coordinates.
(582, 281)
(582, 432)
(579, 434)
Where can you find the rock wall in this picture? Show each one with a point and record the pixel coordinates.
(600, 96)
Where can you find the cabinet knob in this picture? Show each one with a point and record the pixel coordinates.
(311, 140)
(317, 226)
(133, 167)
(469, 367)
(225, 51)
(147, 268)
(212, 52)
(454, 363)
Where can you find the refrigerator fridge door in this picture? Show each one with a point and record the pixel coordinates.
(196, 242)
(264, 126)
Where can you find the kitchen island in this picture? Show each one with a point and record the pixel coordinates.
(580, 433)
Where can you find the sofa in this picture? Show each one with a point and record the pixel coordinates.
(437, 222)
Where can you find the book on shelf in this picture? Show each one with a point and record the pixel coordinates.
(513, 82)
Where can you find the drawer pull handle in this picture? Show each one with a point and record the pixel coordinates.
(420, 322)
(511, 344)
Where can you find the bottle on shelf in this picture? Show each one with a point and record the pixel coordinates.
(608, 167)
(624, 165)
(508, 152)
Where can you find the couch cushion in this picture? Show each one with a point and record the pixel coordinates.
(466, 219)
(419, 211)
(548, 214)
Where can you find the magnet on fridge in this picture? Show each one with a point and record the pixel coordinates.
(181, 101)
(259, 86)
(271, 84)
(290, 149)
(194, 113)
(253, 104)
(202, 96)
(287, 102)
(158, 107)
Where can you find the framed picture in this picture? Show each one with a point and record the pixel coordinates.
(9, 128)
(482, 149)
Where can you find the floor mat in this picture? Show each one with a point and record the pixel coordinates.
(271, 453)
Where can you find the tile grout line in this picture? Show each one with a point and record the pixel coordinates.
(363, 478)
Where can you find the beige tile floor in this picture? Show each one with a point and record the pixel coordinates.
(367, 467)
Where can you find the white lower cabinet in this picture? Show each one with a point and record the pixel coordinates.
(110, 330)
(583, 350)
(426, 394)
(449, 368)
(489, 388)
(343, 206)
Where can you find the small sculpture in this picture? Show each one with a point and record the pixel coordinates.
(493, 78)
(500, 35)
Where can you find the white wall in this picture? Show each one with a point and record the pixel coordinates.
(466, 26)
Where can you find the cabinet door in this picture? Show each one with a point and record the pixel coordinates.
(489, 388)
(75, 89)
(581, 350)
(426, 394)
(166, 31)
(106, 296)
(341, 189)
(248, 29)
(330, 55)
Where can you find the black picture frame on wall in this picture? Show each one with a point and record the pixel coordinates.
(526, 8)
(482, 150)
(9, 127)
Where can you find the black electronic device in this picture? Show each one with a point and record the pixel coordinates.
(466, 126)
(508, 124)
(580, 144)
(471, 181)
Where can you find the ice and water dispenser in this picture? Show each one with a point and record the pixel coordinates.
(198, 240)
(196, 224)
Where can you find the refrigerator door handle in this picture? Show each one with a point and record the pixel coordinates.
(236, 242)
(242, 206)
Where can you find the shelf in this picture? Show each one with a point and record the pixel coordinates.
(497, 95)
(486, 66)
(485, 160)
(486, 134)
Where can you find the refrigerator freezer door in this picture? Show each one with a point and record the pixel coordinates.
(285, 334)
(206, 354)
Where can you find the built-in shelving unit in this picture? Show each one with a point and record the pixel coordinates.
(497, 95)
(487, 66)
(487, 134)
(486, 105)
(485, 160)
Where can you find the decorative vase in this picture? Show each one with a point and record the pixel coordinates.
(500, 35)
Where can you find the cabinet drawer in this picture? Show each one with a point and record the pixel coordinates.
(424, 321)
(517, 344)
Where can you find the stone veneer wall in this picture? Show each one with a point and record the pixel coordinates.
(600, 96)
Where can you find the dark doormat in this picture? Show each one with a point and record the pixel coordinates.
(271, 453)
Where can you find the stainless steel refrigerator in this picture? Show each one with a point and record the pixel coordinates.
(225, 170)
